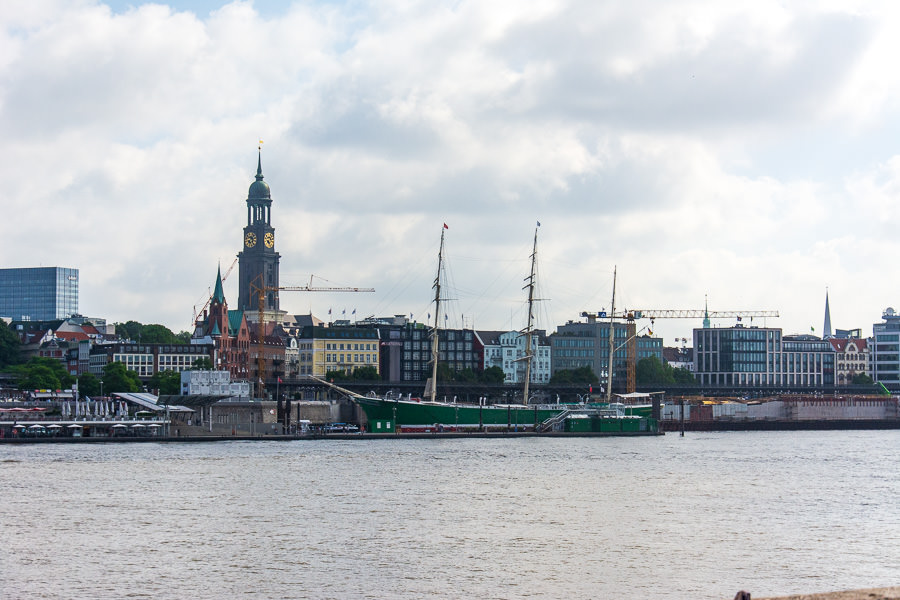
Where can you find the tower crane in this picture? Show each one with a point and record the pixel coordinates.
(261, 290)
(197, 313)
(630, 316)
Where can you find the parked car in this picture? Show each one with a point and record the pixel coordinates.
(341, 428)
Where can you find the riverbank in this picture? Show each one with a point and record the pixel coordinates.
(888, 593)
(323, 436)
(781, 425)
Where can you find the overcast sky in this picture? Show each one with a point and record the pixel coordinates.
(744, 151)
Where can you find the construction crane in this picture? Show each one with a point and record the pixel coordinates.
(630, 316)
(197, 313)
(260, 291)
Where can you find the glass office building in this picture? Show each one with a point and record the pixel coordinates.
(38, 293)
(759, 356)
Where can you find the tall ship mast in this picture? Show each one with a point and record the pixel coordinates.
(612, 343)
(435, 352)
(529, 325)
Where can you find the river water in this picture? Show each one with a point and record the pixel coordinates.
(696, 517)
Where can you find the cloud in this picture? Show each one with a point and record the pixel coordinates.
(742, 150)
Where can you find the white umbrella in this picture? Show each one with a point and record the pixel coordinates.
(137, 425)
(74, 426)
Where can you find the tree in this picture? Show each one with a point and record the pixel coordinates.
(493, 375)
(43, 373)
(360, 374)
(10, 346)
(862, 379)
(652, 370)
(683, 376)
(88, 385)
(202, 364)
(366, 374)
(130, 330)
(157, 334)
(581, 375)
(167, 382)
(39, 377)
(466, 375)
(116, 378)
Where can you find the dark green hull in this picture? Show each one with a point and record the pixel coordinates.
(404, 415)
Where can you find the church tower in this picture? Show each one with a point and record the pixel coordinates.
(258, 261)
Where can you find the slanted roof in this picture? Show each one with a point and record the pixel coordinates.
(235, 317)
(192, 400)
(72, 336)
(219, 294)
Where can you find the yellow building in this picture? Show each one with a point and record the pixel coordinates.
(324, 349)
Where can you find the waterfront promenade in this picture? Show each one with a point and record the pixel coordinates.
(888, 593)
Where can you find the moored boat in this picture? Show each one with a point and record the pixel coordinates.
(411, 415)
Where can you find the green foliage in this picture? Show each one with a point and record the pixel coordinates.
(10, 346)
(42, 373)
(130, 330)
(862, 379)
(579, 376)
(493, 375)
(88, 385)
(360, 374)
(202, 364)
(683, 376)
(150, 334)
(116, 378)
(652, 371)
(157, 334)
(165, 382)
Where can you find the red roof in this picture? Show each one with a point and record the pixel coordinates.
(72, 336)
(840, 344)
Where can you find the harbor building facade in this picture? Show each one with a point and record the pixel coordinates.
(506, 350)
(760, 356)
(886, 350)
(342, 348)
(586, 344)
(851, 359)
(149, 359)
(38, 293)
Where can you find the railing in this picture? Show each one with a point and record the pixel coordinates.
(554, 422)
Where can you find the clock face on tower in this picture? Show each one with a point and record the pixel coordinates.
(250, 239)
(269, 239)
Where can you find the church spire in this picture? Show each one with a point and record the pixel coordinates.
(826, 330)
(219, 294)
(705, 312)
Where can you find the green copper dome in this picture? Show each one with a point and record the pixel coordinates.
(259, 189)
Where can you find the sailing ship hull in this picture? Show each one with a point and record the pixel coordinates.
(388, 415)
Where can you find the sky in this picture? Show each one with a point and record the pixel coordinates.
(742, 153)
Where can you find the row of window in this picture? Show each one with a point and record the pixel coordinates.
(329, 346)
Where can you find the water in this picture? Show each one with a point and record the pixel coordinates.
(695, 517)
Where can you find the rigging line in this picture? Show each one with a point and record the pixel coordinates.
(407, 279)
(507, 273)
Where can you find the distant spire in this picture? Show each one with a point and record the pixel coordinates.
(705, 312)
(219, 294)
(826, 331)
(259, 175)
